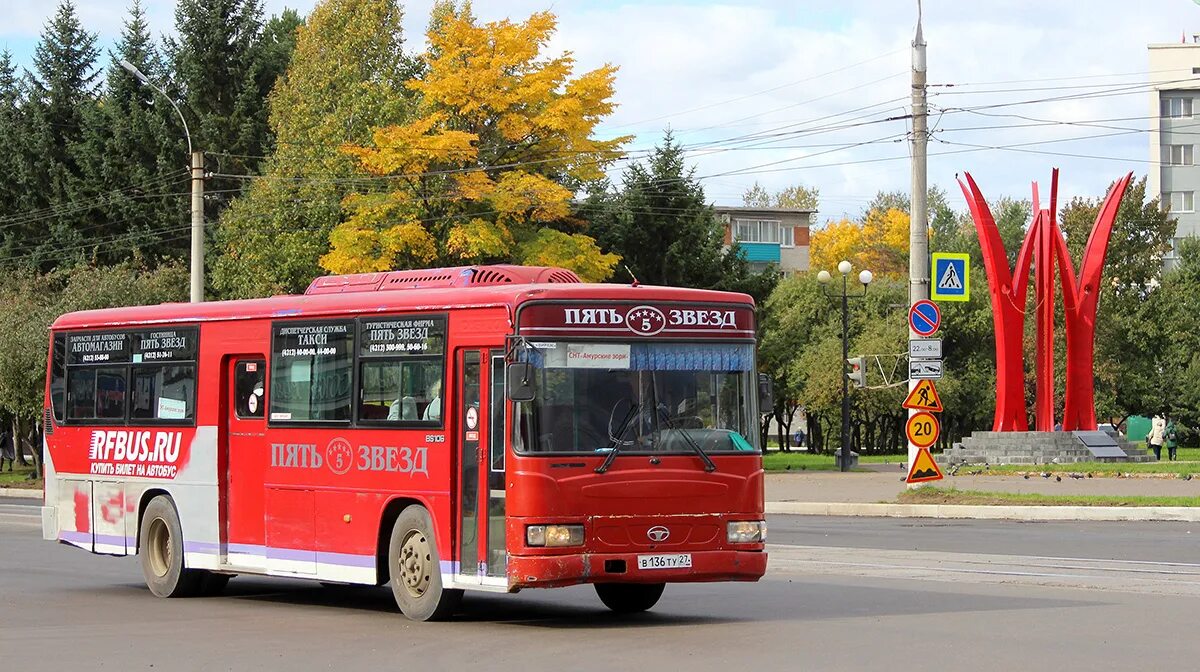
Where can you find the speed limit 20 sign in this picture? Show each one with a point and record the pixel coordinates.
(922, 429)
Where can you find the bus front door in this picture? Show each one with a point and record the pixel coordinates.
(480, 419)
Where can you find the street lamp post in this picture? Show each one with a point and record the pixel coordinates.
(865, 278)
(197, 274)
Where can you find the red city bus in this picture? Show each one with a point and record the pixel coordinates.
(488, 428)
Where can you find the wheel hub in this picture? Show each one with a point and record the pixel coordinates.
(159, 542)
(416, 563)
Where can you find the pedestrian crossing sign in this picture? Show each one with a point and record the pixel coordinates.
(951, 277)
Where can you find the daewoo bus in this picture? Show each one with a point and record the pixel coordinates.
(486, 428)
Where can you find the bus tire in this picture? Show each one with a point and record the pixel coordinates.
(629, 598)
(414, 568)
(160, 544)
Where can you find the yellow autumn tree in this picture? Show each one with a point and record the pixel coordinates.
(486, 170)
(879, 242)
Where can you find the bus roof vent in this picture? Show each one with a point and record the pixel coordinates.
(424, 278)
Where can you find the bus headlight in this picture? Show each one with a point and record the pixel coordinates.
(554, 535)
(747, 531)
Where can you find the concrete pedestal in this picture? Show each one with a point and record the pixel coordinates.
(1034, 448)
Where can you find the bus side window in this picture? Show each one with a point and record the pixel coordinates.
(58, 377)
(81, 394)
(249, 387)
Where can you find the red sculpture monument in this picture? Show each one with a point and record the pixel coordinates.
(1044, 247)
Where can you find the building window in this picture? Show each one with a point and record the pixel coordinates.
(759, 231)
(1177, 155)
(787, 236)
(1176, 108)
(1180, 201)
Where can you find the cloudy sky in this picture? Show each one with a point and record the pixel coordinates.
(795, 91)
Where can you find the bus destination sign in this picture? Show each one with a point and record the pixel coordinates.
(637, 320)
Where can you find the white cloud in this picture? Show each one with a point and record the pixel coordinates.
(680, 62)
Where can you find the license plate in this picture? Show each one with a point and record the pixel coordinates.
(665, 561)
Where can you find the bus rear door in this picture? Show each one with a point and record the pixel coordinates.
(244, 463)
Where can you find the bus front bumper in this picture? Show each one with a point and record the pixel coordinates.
(547, 571)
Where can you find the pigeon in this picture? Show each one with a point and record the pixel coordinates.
(1058, 478)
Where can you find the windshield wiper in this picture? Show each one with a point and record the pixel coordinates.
(709, 465)
(614, 444)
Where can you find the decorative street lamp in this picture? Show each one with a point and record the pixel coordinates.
(197, 279)
(864, 277)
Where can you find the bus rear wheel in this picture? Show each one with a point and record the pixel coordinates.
(629, 598)
(414, 568)
(160, 546)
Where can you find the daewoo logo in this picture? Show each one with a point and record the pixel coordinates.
(658, 533)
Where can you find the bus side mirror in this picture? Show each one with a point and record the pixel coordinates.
(766, 394)
(520, 381)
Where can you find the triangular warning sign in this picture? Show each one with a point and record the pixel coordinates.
(924, 468)
(924, 397)
(950, 279)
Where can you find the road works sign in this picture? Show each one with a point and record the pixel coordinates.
(924, 318)
(951, 276)
(922, 429)
(924, 468)
(924, 397)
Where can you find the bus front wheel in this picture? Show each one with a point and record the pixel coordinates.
(161, 549)
(414, 568)
(629, 598)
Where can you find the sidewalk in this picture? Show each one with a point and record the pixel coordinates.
(874, 493)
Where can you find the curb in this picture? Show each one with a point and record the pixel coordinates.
(26, 493)
(1026, 513)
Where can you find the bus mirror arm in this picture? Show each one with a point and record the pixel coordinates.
(521, 381)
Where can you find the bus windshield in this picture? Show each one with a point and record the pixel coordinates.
(593, 398)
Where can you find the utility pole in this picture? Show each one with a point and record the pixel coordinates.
(918, 230)
(197, 274)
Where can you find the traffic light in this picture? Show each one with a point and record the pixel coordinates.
(858, 371)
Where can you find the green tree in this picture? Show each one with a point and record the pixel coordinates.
(346, 78)
(30, 302)
(56, 99)
(666, 232)
(797, 197)
(133, 166)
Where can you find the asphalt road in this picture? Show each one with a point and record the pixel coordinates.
(841, 594)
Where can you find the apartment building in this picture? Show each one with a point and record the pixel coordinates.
(1174, 175)
(769, 235)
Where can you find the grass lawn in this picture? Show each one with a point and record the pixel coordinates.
(935, 495)
(1183, 467)
(802, 461)
(18, 478)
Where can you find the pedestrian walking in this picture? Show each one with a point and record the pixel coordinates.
(8, 450)
(1169, 437)
(1158, 431)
